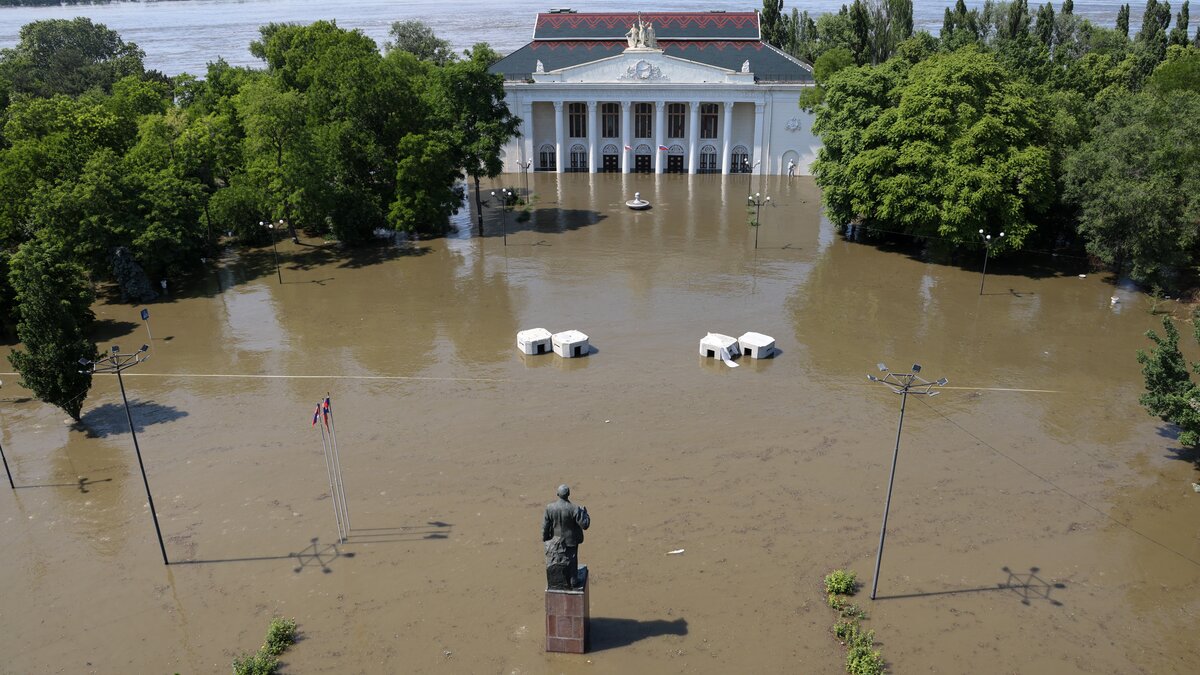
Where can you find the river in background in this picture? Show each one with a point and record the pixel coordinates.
(184, 36)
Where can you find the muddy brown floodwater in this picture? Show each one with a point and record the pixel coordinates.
(1041, 523)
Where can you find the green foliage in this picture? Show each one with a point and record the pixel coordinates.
(1180, 72)
(943, 148)
(840, 582)
(426, 189)
(1136, 185)
(861, 657)
(54, 308)
(1170, 393)
(131, 279)
(418, 39)
(258, 663)
(281, 634)
(68, 56)
(772, 23)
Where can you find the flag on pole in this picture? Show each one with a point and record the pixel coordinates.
(629, 147)
(316, 415)
(323, 409)
(663, 148)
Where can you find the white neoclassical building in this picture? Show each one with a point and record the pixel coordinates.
(667, 92)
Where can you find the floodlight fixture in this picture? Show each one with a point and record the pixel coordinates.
(903, 384)
(85, 362)
(115, 349)
(145, 348)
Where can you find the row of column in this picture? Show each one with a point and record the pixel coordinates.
(627, 139)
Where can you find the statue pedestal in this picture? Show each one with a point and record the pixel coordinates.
(567, 618)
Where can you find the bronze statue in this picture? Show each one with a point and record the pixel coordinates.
(562, 533)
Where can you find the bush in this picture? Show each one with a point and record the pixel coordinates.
(862, 660)
(840, 582)
(280, 635)
(260, 663)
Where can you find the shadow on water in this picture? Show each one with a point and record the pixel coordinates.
(610, 633)
(542, 220)
(81, 484)
(105, 330)
(313, 556)
(1027, 585)
(433, 530)
(1179, 452)
(1032, 264)
(109, 419)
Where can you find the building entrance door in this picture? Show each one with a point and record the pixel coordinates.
(674, 163)
(642, 164)
(611, 163)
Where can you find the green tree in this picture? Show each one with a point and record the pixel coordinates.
(940, 149)
(418, 39)
(470, 101)
(1170, 393)
(427, 189)
(68, 56)
(1136, 186)
(771, 22)
(827, 64)
(1179, 34)
(1180, 72)
(1123, 19)
(54, 305)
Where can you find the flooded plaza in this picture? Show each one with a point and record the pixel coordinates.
(1041, 521)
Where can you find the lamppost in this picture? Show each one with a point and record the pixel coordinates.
(758, 201)
(903, 384)
(749, 173)
(6, 470)
(115, 362)
(987, 248)
(524, 167)
(271, 228)
(506, 198)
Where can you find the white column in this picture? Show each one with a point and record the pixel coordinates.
(626, 138)
(558, 136)
(591, 132)
(693, 133)
(527, 132)
(759, 132)
(725, 138)
(660, 159)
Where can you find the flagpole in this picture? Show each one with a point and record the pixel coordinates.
(337, 463)
(337, 516)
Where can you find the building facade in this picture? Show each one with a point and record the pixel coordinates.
(667, 92)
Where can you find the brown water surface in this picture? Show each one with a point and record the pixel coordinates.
(1041, 523)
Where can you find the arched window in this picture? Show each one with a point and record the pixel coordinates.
(546, 158)
(739, 160)
(642, 149)
(708, 160)
(611, 149)
(675, 150)
(579, 158)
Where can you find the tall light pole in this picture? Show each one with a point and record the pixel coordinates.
(506, 198)
(749, 173)
(987, 248)
(271, 229)
(525, 176)
(903, 384)
(115, 362)
(758, 201)
(6, 470)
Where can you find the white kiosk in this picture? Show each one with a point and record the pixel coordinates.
(570, 344)
(534, 341)
(757, 345)
(713, 344)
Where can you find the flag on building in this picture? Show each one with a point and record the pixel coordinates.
(628, 147)
(663, 148)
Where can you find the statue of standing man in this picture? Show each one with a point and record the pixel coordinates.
(562, 533)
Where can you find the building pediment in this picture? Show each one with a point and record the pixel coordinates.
(644, 66)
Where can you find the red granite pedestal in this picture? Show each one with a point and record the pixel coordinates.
(567, 617)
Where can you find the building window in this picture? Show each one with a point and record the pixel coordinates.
(708, 160)
(675, 115)
(739, 161)
(610, 118)
(579, 158)
(546, 158)
(708, 120)
(577, 119)
(643, 116)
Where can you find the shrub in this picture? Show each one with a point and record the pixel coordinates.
(280, 635)
(845, 630)
(862, 660)
(841, 582)
(260, 663)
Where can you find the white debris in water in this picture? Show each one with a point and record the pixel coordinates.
(1082, 276)
(1195, 486)
(677, 551)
